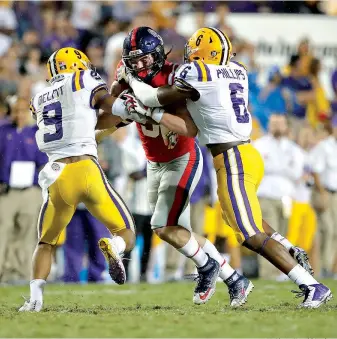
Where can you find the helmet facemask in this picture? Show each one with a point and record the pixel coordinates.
(152, 63)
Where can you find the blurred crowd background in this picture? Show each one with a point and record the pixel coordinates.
(293, 101)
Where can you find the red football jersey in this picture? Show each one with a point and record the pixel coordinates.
(150, 135)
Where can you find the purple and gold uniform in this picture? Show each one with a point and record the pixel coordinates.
(66, 120)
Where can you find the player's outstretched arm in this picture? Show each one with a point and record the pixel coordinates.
(114, 110)
(180, 122)
(161, 96)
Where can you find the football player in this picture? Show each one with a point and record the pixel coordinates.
(66, 116)
(216, 92)
(173, 171)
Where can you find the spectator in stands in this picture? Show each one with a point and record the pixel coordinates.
(163, 13)
(95, 53)
(83, 233)
(222, 11)
(319, 109)
(334, 88)
(284, 163)
(20, 197)
(173, 41)
(302, 222)
(114, 48)
(301, 91)
(125, 11)
(271, 99)
(85, 14)
(28, 14)
(8, 24)
(9, 76)
(324, 167)
(64, 35)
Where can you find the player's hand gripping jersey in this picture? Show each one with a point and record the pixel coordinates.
(151, 136)
(221, 109)
(65, 115)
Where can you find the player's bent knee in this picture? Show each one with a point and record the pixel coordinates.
(256, 242)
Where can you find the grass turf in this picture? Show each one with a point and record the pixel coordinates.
(164, 311)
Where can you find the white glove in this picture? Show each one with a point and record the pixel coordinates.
(133, 105)
(123, 75)
(119, 109)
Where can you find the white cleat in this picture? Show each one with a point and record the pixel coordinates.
(31, 306)
(112, 256)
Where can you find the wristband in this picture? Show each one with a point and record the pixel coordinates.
(157, 114)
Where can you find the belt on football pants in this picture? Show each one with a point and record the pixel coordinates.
(217, 149)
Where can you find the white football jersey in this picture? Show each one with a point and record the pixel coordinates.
(221, 112)
(65, 115)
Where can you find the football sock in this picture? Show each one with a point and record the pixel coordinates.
(282, 240)
(300, 276)
(193, 251)
(225, 269)
(120, 244)
(36, 289)
(232, 279)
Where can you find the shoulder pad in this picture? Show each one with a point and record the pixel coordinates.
(240, 64)
(195, 71)
(88, 79)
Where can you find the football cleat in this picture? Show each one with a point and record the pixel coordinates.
(314, 295)
(239, 291)
(31, 306)
(301, 257)
(207, 277)
(114, 259)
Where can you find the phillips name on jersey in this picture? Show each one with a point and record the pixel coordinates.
(221, 109)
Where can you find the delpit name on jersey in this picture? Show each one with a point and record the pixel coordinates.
(55, 93)
(236, 74)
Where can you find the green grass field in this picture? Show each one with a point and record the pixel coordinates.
(164, 311)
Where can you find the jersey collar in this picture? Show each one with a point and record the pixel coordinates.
(56, 78)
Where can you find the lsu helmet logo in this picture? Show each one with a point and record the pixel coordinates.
(67, 60)
(209, 45)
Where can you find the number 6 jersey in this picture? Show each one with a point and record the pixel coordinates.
(220, 112)
(65, 115)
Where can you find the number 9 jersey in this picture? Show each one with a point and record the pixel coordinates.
(65, 115)
(220, 109)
